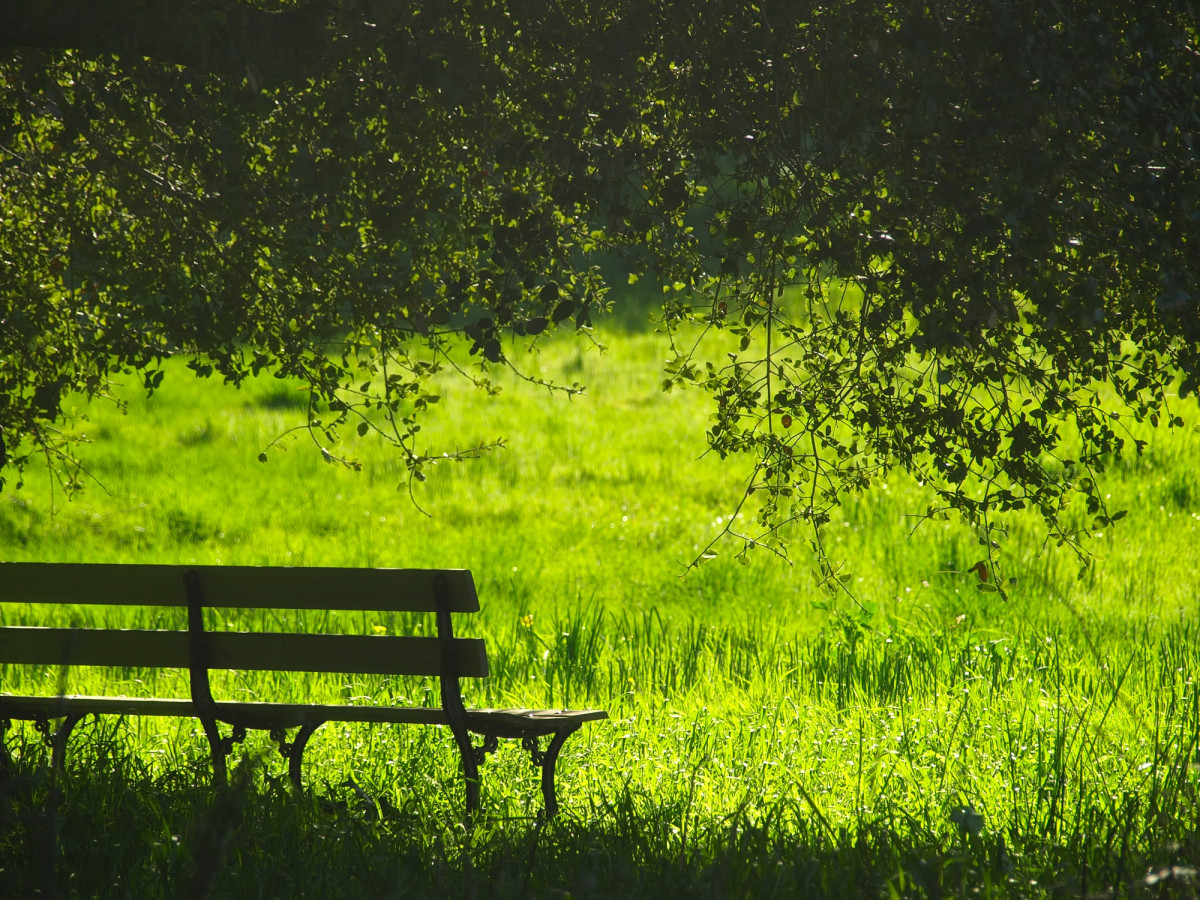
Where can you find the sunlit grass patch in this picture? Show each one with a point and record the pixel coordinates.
(949, 742)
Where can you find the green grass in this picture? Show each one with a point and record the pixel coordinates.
(957, 745)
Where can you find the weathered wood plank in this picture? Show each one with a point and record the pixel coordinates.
(68, 704)
(288, 715)
(367, 655)
(248, 587)
(267, 715)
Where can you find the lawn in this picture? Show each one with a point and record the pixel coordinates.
(930, 739)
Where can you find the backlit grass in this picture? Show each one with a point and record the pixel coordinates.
(757, 746)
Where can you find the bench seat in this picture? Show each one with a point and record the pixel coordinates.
(293, 715)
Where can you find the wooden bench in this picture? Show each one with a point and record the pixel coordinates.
(199, 649)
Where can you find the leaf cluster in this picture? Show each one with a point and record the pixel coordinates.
(955, 239)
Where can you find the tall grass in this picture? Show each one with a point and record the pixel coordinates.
(953, 744)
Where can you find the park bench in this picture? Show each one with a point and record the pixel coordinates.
(199, 649)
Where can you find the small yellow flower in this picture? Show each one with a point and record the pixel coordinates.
(527, 620)
(379, 629)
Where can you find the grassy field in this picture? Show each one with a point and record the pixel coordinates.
(953, 745)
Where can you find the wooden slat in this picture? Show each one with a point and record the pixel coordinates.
(270, 715)
(291, 715)
(93, 647)
(528, 716)
(373, 655)
(366, 655)
(69, 704)
(515, 723)
(248, 587)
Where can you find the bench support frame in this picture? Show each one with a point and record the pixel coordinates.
(206, 707)
(527, 726)
(462, 723)
(293, 750)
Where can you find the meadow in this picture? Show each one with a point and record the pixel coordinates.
(950, 743)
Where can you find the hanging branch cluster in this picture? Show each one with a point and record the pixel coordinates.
(957, 240)
(960, 243)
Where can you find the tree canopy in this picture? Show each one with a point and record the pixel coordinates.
(954, 238)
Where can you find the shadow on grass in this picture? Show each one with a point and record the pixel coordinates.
(115, 831)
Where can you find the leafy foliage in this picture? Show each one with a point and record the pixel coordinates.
(957, 239)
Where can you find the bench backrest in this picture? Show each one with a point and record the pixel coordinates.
(441, 591)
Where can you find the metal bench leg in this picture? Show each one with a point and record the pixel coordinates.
(221, 747)
(546, 762)
(5, 758)
(56, 739)
(217, 746)
(293, 752)
(470, 771)
(58, 750)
